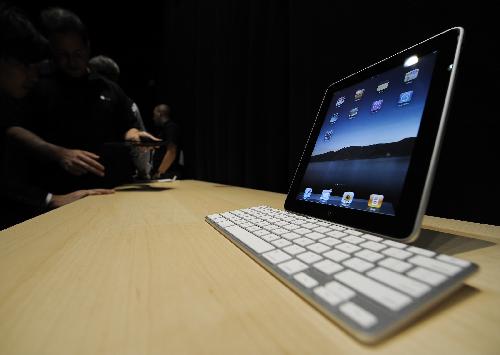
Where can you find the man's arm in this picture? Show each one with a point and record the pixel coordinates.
(133, 134)
(167, 160)
(74, 161)
(61, 200)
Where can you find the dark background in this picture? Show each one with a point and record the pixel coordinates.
(245, 78)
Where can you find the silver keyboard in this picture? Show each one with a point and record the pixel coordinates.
(369, 285)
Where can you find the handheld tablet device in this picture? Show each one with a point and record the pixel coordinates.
(372, 151)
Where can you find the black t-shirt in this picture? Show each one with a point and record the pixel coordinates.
(169, 133)
(84, 113)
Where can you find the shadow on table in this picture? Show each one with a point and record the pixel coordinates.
(447, 243)
(142, 188)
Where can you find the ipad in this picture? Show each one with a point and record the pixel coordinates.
(373, 148)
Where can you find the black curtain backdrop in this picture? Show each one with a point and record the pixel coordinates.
(245, 79)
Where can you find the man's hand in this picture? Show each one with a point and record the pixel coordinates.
(140, 136)
(61, 200)
(79, 162)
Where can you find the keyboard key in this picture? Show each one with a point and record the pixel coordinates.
(395, 264)
(309, 257)
(397, 253)
(334, 293)
(310, 225)
(452, 260)
(303, 241)
(348, 248)
(318, 248)
(373, 246)
(330, 241)
(280, 231)
(270, 237)
(430, 277)
(421, 251)
(353, 232)
(302, 231)
(337, 228)
(336, 255)
(225, 223)
(369, 255)
(358, 314)
(315, 235)
(305, 280)
(394, 244)
(358, 264)
(399, 282)
(281, 223)
(373, 238)
(340, 290)
(353, 239)
(435, 265)
(249, 239)
(321, 229)
(261, 232)
(276, 256)
(293, 266)
(290, 236)
(262, 224)
(294, 249)
(291, 227)
(280, 243)
(213, 216)
(328, 267)
(384, 295)
(336, 234)
(324, 224)
(327, 296)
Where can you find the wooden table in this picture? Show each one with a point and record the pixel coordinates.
(141, 272)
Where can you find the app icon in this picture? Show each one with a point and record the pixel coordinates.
(347, 198)
(411, 75)
(328, 135)
(307, 192)
(340, 101)
(353, 112)
(334, 118)
(377, 105)
(325, 195)
(383, 86)
(375, 201)
(359, 94)
(405, 97)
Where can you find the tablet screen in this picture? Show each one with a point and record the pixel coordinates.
(361, 156)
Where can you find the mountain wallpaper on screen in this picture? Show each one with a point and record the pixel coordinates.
(395, 149)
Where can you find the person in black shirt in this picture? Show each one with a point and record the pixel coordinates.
(108, 68)
(21, 47)
(80, 109)
(166, 160)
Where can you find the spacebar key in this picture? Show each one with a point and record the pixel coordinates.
(249, 239)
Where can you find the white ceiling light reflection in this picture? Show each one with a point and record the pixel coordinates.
(411, 61)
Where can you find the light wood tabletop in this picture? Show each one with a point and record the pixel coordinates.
(141, 272)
